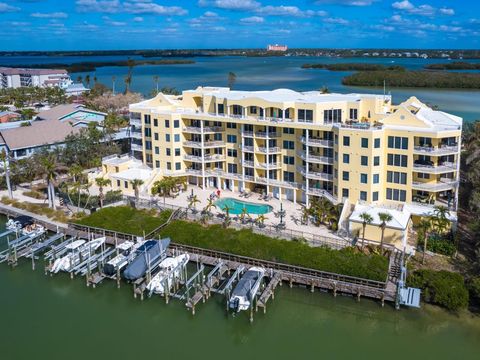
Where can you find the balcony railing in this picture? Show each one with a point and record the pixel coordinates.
(438, 169)
(206, 144)
(443, 185)
(206, 158)
(135, 122)
(136, 147)
(271, 150)
(266, 135)
(316, 175)
(247, 148)
(247, 133)
(136, 135)
(320, 192)
(206, 129)
(268, 165)
(316, 158)
(248, 163)
(436, 150)
(316, 142)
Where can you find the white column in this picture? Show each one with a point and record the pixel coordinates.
(294, 196)
(307, 151)
(279, 193)
(283, 114)
(267, 146)
(202, 141)
(228, 110)
(264, 113)
(216, 108)
(457, 156)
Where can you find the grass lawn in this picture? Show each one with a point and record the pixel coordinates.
(125, 219)
(347, 261)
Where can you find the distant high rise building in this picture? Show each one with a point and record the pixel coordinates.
(277, 47)
(16, 77)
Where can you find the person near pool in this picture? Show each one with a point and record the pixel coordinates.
(218, 193)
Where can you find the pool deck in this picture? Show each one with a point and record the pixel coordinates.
(292, 219)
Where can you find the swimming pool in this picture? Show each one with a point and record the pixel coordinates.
(236, 206)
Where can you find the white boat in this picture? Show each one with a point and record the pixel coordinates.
(79, 250)
(171, 268)
(25, 225)
(125, 250)
(246, 289)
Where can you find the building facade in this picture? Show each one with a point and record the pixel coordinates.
(353, 148)
(17, 77)
(277, 47)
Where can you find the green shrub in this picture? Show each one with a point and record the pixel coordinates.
(34, 194)
(443, 288)
(474, 287)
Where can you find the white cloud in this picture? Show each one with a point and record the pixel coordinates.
(53, 15)
(422, 10)
(138, 19)
(403, 5)
(129, 6)
(347, 2)
(231, 4)
(381, 27)
(338, 21)
(447, 11)
(252, 20)
(288, 11)
(111, 22)
(7, 8)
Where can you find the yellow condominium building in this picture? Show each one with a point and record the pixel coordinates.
(350, 148)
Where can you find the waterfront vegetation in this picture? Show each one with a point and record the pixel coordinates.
(419, 79)
(353, 67)
(348, 261)
(27, 96)
(455, 65)
(36, 208)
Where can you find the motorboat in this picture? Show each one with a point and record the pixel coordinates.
(246, 289)
(125, 251)
(146, 256)
(25, 225)
(78, 251)
(170, 269)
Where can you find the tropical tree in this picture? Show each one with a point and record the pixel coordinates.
(366, 220)
(87, 80)
(136, 183)
(424, 227)
(192, 203)
(440, 220)
(384, 219)
(4, 158)
(156, 80)
(165, 186)
(244, 215)
(260, 220)
(114, 78)
(305, 214)
(79, 79)
(227, 220)
(101, 183)
(325, 90)
(48, 169)
(208, 208)
(232, 78)
(128, 78)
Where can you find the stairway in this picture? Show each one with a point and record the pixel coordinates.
(395, 266)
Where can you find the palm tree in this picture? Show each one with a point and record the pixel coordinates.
(79, 79)
(325, 90)
(424, 227)
(305, 213)
(227, 219)
(260, 220)
(48, 167)
(156, 80)
(244, 215)
(87, 80)
(4, 158)
(440, 218)
(101, 183)
(366, 219)
(136, 183)
(192, 203)
(384, 219)
(232, 78)
(210, 205)
(114, 78)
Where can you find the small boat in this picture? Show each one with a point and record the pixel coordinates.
(25, 225)
(78, 251)
(246, 289)
(170, 269)
(148, 254)
(126, 249)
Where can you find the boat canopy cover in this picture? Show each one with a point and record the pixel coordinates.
(146, 255)
(246, 283)
(23, 220)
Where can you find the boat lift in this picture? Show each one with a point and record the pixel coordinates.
(18, 248)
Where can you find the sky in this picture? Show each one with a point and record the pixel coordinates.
(174, 24)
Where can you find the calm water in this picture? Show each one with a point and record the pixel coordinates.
(56, 317)
(237, 206)
(267, 73)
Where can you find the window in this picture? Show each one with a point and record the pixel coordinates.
(335, 174)
(365, 143)
(176, 124)
(253, 110)
(167, 123)
(148, 132)
(305, 115)
(232, 139)
(345, 193)
(364, 178)
(118, 183)
(147, 119)
(155, 122)
(423, 176)
(396, 177)
(376, 160)
(177, 137)
(167, 137)
(169, 165)
(178, 166)
(397, 160)
(221, 109)
(157, 164)
(363, 195)
(290, 131)
(148, 145)
(232, 152)
(289, 145)
(336, 156)
(232, 168)
(364, 160)
(169, 151)
(289, 160)
(231, 125)
(332, 116)
(396, 142)
(125, 185)
(346, 158)
(353, 114)
(346, 176)
(375, 196)
(155, 135)
(157, 150)
(376, 178)
(346, 141)
(177, 152)
(336, 139)
(288, 176)
(376, 143)
(396, 195)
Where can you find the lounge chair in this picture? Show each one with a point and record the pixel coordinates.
(247, 195)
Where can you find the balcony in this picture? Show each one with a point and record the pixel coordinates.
(432, 169)
(196, 172)
(205, 158)
(266, 135)
(136, 135)
(316, 159)
(206, 129)
(362, 126)
(316, 175)
(206, 144)
(247, 134)
(248, 163)
(270, 150)
(263, 165)
(135, 122)
(436, 150)
(316, 142)
(443, 185)
(247, 148)
(136, 147)
(320, 192)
